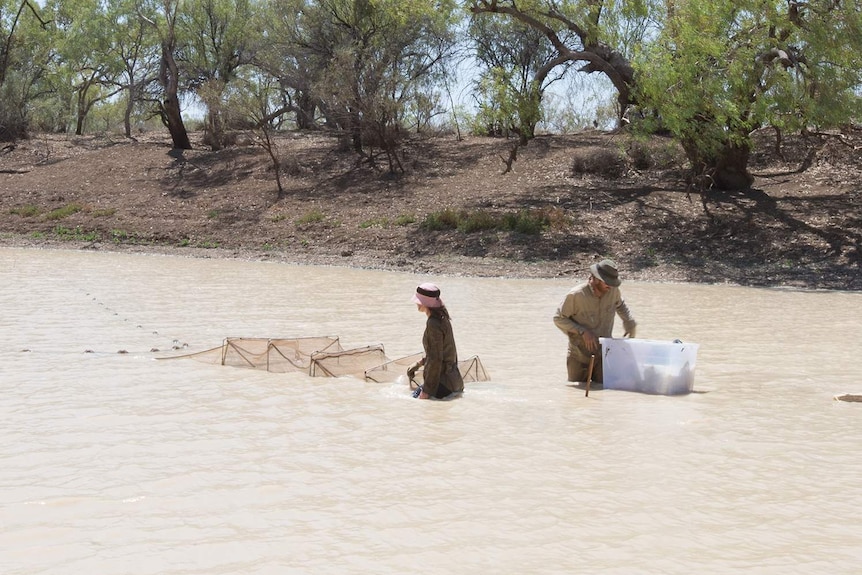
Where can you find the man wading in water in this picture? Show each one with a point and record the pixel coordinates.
(587, 313)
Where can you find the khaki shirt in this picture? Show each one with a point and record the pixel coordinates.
(581, 310)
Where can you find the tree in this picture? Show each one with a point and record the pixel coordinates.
(597, 34)
(164, 22)
(254, 100)
(219, 41)
(136, 48)
(87, 70)
(509, 90)
(377, 53)
(294, 56)
(24, 53)
(723, 68)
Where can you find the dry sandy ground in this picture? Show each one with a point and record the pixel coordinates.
(598, 195)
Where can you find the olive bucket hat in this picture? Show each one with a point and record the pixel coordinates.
(606, 270)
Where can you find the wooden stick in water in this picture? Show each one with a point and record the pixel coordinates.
(590, 373)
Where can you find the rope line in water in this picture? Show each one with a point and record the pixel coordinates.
(175, 341)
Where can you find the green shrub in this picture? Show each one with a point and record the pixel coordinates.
(25, 211)
(63, 212)
(531, 222)
(477, 222)
(447, 219)
(375, 223)
(75, 234)
(526, 222)
(314, 216)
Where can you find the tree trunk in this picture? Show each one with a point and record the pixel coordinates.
(731, 167)
(127, 115)
(216, 133)
(171, 112)
(81, 110)
(306, 105)
(174, 120)
(725, 169)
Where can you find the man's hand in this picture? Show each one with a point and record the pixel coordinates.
(591, 341)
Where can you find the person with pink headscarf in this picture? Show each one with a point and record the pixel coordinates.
(441, 377)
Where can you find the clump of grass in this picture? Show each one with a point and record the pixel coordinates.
(312, 217)
(64, 212)
(104, 212)
(405, 220)
(25, 211)
(375, 223)
(122, 236)
(530, 222)
(447, 219)
(526, 222)
(471, 222)
(119, 235)
(213, 214)
(75, 234)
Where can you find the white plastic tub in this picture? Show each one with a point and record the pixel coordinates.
(648, 366)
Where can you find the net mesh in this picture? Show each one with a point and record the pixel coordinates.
(346, 362)
(471, 370)
(321, 357)
(275, 355)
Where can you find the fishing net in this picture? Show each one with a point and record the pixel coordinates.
(471, 370)
(389, 371)
(321, 357)
(276, 355)
(346, 362)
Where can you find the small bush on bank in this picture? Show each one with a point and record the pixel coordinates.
(405, 220)
(649, 154)
(25, 211)
(443, 220)
(311, 217)
(75, 234)
(605, 162)
(63, 212)
(470, 222)
(531, 222)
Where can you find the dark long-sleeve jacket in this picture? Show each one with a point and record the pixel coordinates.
(440, 374)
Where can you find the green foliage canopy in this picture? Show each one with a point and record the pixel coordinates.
(720, 69)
